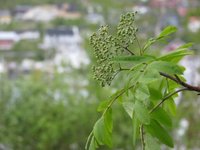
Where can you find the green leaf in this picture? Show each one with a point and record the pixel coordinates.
(167, 31)
(187, 45)
(135, 73)
(149, 76)
(93, 144)
(142, 92)
(170, 106)
(129, 107)
(108, 120)
(101, 133)
(103, 105)
(151, 143)
(119, 93)
(162, 117)
(155, 90)
(141, 112)
(172, 86)
(135, 129)
(156, 130)
(176, 55)
(166, 67)
(134, 59)
(150, 42)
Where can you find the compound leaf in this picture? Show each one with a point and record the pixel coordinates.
(156, 130)
(101, 133)
(176, 55)
(167, 31)
(134, 59)
(141, 112)
(151, 143)
(162, 117)
(166, 67)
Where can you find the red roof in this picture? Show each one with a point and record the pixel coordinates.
(164, 3)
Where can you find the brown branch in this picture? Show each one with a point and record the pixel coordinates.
(126, 48)
(175, 78)
(180, 82)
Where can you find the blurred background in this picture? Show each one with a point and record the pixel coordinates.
(48, 98)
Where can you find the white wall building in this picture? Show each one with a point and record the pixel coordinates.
(28, 35)
(66, 41)
(61, 36)
(40, 13)
(7, 39)
(194, 24)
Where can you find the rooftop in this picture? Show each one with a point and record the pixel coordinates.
(60, 31)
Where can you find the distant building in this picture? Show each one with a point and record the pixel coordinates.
(73, 56)
(56, 37)
(66, 41)
(194, 24)
(180, 5)
(5, 17)
(95, 18)
(8, 39)
(40, 13)
(28, 34)
(141, 9)
(67, 11)
(46, 13)
(182, 8)
(20, 10)
(27, 66)
(164, 3)
(2, 68)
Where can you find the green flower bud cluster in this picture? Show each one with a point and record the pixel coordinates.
(126, 31)
(103, 45)
(106, 47)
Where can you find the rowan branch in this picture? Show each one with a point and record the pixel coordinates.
(167, 97)
(176, 79)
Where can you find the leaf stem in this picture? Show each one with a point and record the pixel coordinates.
(138, 44)
(119, 70)
(88, 140)
(115, 98)
(142, 136)
(167, 97)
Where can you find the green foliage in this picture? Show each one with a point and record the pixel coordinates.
(37, 112)
(162, 117)
(151, 143)
(156, 130)
(103, 129)
(149, 96)
(26, 48)
(12, 4)
(141, 112)
(68, 22)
